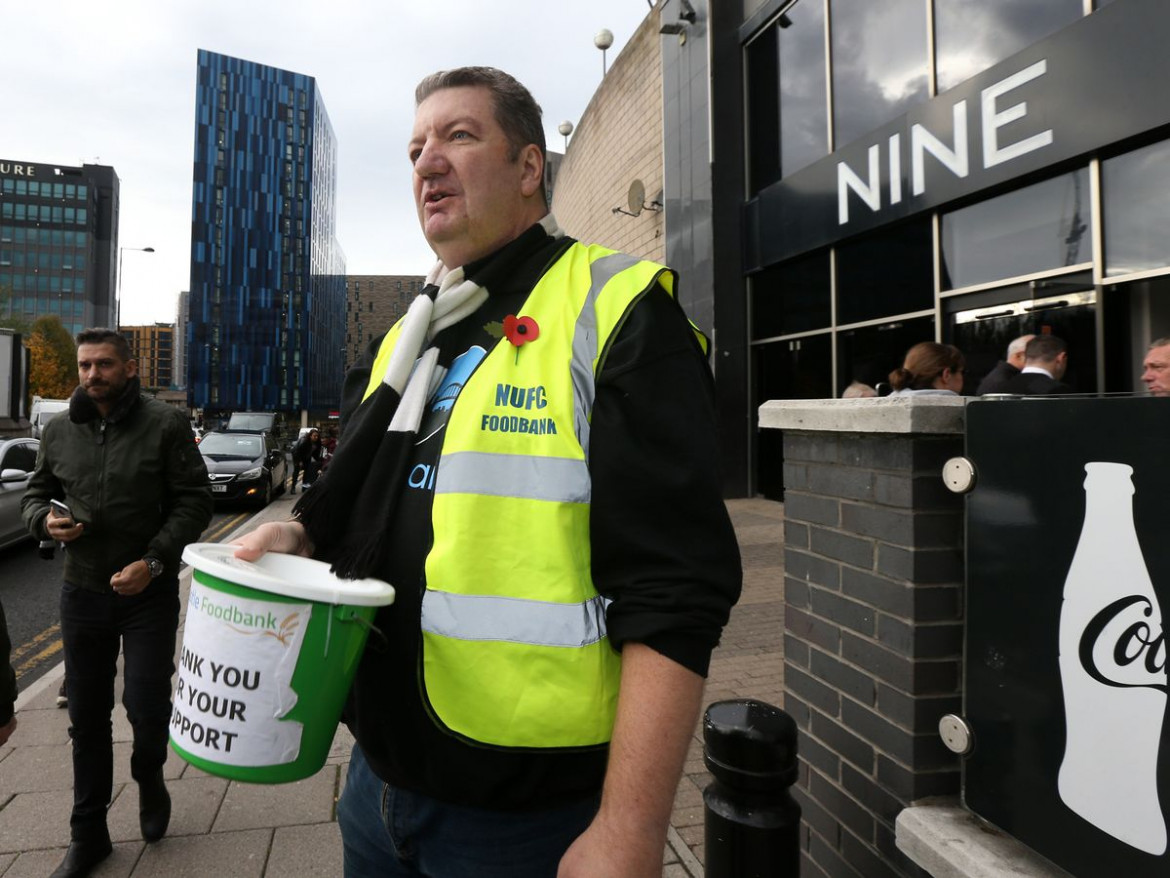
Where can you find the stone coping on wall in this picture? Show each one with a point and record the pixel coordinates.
(890, 414)
(949, 841)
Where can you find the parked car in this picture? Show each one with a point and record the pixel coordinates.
(18, 459)
(257, 422)
(43, 411)
(244, 466)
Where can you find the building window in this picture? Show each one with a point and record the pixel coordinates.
(1135, 209)
(879, 63)
(1040, 227)
(971, 37)
(791, 298)
(787, 95)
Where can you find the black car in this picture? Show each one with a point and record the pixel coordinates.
(244, 466)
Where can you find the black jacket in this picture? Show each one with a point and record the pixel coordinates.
(7, 674)
(995, 380)
(135, 479)
(1035, 384)
(305, 450)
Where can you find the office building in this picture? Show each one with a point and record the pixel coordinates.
(154, 347)
(58, 243)
(373, 303)
(266, 311)
(950, 171)
(856, 177)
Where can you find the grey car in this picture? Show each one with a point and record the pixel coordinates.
(18, 459)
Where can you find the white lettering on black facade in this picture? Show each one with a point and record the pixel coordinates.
(11, 169)
(954, 156)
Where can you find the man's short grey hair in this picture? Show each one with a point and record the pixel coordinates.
(1017, 346)
(1160, 342)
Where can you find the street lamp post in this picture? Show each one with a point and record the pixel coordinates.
(603, 41)
(118, 294)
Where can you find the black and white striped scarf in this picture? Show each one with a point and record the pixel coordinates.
(351, 507)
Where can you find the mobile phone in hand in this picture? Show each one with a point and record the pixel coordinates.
(62, 510)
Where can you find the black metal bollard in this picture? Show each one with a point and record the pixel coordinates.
(752, 821)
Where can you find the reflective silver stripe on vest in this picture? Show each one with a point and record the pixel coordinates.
(601, 272)
(513, 620)
(514, 475)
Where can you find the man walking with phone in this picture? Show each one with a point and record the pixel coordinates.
(121, 484)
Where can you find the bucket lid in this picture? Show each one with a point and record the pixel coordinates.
(289, 575)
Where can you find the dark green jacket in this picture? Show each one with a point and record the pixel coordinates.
(135, 479)
(7, 674)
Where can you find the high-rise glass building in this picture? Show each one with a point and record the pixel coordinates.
(58, 243)
(266, 318)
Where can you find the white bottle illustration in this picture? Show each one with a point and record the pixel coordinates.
(1112, 670)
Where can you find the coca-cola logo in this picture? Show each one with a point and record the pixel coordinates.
(1122, 646)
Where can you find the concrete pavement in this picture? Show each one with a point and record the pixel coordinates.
(226, 828)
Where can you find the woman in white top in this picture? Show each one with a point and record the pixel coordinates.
(929, 368)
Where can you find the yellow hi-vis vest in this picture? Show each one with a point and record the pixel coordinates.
(514, 650)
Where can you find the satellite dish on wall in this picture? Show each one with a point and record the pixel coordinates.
(636, 198)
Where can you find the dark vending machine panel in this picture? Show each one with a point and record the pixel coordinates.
(1065, 672)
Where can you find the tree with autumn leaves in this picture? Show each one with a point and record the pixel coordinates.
(52, 371)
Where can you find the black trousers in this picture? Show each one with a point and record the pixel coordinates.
(93, 625)
(308, 470)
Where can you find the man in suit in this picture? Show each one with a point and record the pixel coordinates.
(1007, 369)
(1045, 362)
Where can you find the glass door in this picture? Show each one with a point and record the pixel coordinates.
(982, 328)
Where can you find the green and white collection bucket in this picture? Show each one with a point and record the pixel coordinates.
(270, 648)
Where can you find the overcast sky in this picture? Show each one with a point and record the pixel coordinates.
(114, 84)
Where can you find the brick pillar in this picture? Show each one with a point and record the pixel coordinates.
(873, 618)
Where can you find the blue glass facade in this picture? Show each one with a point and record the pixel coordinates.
(266, 315)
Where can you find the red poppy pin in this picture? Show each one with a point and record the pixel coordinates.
(519, 331)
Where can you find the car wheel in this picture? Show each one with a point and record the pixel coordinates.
(266, 497)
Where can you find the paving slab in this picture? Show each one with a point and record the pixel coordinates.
(40, 864)
(30, 769)
(306, 851)
(44, 726)
(195, 803)
(219, 855)
(35, 820)
(249, 805)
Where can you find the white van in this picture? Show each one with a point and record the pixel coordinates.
(43, 411)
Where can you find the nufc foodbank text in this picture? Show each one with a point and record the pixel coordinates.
(524, 398)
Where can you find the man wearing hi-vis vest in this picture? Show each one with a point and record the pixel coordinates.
(529, 458)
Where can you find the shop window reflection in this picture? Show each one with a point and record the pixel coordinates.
(971, 37)
(787, 95)
(1038, 228)
(879, 63)
(1136, 213)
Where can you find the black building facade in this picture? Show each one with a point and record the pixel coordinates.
(58, 243)
(884, 172)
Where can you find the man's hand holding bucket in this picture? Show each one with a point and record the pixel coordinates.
(288, 537)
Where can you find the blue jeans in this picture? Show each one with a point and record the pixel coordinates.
(394, 833)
